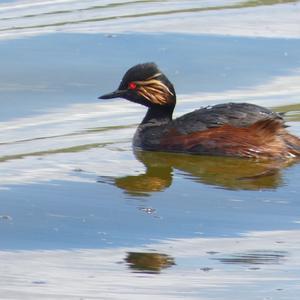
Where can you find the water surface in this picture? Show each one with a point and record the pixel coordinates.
(82, 215)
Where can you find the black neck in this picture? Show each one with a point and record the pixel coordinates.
(159, 113)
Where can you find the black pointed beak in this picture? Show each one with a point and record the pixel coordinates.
(115, 94)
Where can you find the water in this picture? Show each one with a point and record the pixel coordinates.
(82, 215)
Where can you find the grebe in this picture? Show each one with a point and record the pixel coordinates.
(231, 129)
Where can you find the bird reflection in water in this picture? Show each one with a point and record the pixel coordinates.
(148, 262)
(226, 172)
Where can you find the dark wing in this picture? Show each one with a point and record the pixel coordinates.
(234, 114)
(244, 130)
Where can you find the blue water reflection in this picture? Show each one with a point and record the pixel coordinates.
(57, 70)
(77, 215)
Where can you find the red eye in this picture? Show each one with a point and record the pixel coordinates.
(132, 86)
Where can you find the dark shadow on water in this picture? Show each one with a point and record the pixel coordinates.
(148, 262)
(224, 172)
(267, 257)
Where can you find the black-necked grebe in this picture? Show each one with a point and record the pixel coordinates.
(231, 129)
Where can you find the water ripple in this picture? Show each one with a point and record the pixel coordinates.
(280, 18)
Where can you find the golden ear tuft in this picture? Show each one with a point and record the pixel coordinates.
(154, 90)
